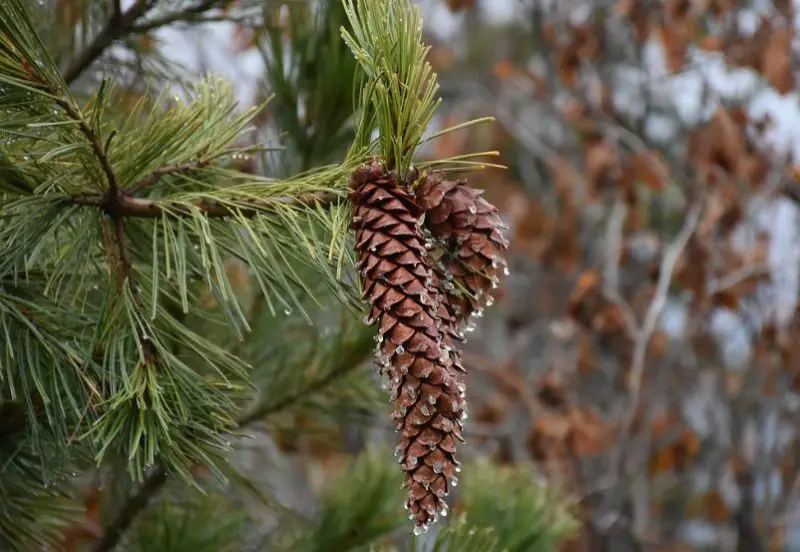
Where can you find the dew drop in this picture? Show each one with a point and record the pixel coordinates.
(458, 469)
(432, 447)
(412, 461)
(431, 399)
(506, 271)
(489, 301)
(472, 208)
(287, 311)
(454, 481)
(420, 530)
(400, 350)
(444, 511)
(437, 467)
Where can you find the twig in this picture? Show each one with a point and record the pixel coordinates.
(654, 310)
(98, 147)
(135, 504)
(112, 203)
(613, 241)
(127, 206)
(174, 17)
(153, 177)
(737, 277)
(115, 28)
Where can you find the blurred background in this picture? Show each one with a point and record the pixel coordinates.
(643, 353)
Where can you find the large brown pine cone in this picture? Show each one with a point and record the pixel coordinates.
(399, 283)
(472, 232)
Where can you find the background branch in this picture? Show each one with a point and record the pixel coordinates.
(114, 29)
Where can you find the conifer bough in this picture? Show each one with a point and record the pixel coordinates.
(416, 331)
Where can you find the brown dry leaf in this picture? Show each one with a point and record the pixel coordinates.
(458, 5)
(677, 455)
(563, 250)
(637, 13)
(777, 60)
(553, 391)
(568, 64)
(532, 228)
(585, 288)
(678, 452)
(588, 41)
(692, 272)
(658, 344)
(539, 83)
(723, 210)
(715, 508)
(493, 410)
(676, 38)
(589, 435)
(587, 358)
(244, 38)
(651, 169)
(712, 44)
(777, 538)
(785, 8)
(548, 437)
(504, 70)
(441, 57)
(602, 166)
(89, 529)
(452, 143)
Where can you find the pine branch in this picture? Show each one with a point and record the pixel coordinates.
(112, 205)
(174, 17)
(156, 480)
(153, 177)
(127, 206)
(99, 149)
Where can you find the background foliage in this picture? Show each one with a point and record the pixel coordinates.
(183, 364)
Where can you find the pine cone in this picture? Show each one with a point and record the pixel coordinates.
(471, 231)
(399, 283)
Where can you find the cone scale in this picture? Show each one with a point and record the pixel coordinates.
(415, 350)
(471, 232)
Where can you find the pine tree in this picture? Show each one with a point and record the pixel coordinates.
(158, 296)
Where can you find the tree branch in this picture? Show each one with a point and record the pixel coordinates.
(112, 202)
(127, 206)
(654, 310)
(115, 28)
(153, 177)
(98, 147)
(174, 17)
(156, 480)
